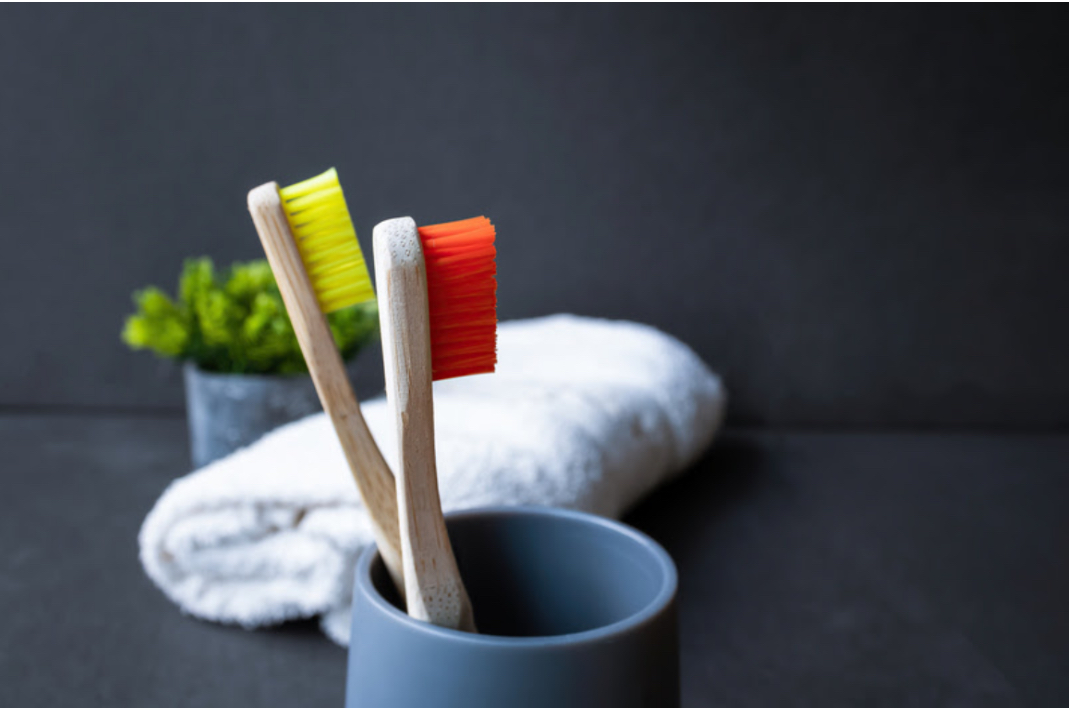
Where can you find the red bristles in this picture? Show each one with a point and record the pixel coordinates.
(462, 297)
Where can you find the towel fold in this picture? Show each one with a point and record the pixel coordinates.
(582, 413)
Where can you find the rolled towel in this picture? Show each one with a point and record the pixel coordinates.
(582, 413)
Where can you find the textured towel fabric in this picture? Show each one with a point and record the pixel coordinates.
(582, 413)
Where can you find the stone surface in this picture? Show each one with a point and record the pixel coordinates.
(816, 570)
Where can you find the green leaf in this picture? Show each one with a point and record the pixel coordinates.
(160, 325)
(235, 322)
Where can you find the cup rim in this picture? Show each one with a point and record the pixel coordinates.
(661, 600)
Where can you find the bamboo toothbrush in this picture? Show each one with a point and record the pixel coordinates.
(313, 250)
(437, 298)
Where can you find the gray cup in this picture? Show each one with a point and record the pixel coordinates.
(574, 611)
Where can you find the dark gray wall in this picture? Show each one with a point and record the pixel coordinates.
(854, 213)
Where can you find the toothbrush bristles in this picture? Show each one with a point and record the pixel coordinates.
(462, 296)
(327, 241)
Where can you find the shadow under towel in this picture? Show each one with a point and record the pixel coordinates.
(582, 413)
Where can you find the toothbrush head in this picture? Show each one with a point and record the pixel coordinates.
(462, 296)
(319, 219)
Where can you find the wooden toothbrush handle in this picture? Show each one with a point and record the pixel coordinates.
(434, 590)
(373, 477)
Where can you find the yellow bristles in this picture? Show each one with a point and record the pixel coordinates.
(319, 219)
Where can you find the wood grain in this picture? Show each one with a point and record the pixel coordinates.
(366, 463)
(434, 591)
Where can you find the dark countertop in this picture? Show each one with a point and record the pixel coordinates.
(817, 569)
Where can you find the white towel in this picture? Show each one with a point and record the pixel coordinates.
(582, 413)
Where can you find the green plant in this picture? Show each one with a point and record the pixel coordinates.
(234, 322)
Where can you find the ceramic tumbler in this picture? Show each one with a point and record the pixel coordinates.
(573, 610)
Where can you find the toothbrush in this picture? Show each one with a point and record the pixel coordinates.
(313, 250)
(437, 320)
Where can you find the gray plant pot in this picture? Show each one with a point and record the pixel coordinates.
(229, 411)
